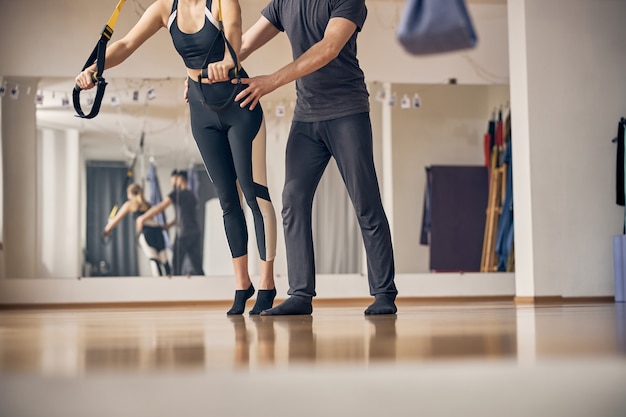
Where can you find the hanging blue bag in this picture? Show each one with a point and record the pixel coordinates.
(436, 26)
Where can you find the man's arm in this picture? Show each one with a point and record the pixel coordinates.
(169, 225)
(231, 19)
(338, 32)
(258, 35)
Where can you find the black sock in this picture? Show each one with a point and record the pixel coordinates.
(239, 304)
(168, 270)
(292, 306)
(264, 301)
(383, 304)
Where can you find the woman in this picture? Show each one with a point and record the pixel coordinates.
(231, 139)
(151, 237)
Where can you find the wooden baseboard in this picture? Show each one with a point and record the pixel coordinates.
(562, 300)
(118, 305)
(317, 302)
(454, 299)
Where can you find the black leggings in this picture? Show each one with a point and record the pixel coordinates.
(232, 145)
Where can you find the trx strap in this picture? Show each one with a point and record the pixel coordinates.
(97, 56)
(204, 73)
(130, 172)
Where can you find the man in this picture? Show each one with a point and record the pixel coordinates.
(188, 237)
(331, 119)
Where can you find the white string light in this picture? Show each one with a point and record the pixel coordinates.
(380, 95)
(280, 110)
(405, 103)
(417, 102)
(15, 92)
(393, 99)
(39, 98)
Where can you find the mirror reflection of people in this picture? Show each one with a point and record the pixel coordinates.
(331, 119)
(383, 338)
(151, 238)
(188, 242)
(230, 139)
(265, 341)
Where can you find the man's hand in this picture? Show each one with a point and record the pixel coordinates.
(257, 88)
(139, 223)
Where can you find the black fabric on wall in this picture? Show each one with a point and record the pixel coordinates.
(425, 232)
(619, 174)
(117, 255)
(459, 196)
(206, 191)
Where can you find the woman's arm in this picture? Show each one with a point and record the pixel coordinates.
(150, 22)
(121, 213)
(231, 20)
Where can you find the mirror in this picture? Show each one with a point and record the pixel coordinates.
(446, 129)
(140, 136)
(143, 129)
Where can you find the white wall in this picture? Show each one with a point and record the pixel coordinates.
(384, 60)
(19, 140)
(569, 88)
(58, 252)
(567, 94)
(2, 269)
(70, 29)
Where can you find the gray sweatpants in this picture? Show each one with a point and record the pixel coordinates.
(309, 148)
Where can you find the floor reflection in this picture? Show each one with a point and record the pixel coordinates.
(80, 341)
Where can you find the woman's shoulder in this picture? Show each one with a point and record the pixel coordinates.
(163, 8)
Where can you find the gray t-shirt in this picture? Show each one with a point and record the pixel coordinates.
(337, 89)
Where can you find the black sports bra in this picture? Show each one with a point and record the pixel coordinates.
(200, 48)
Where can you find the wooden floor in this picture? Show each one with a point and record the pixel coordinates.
(444, 358)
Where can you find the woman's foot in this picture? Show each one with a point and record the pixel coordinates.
(239, 304)
(264, 301)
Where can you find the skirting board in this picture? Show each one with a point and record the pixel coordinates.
(562, 300)
(34, 291)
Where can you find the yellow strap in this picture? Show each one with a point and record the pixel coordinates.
(113, 212)
(115, 14)
(219, 10)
